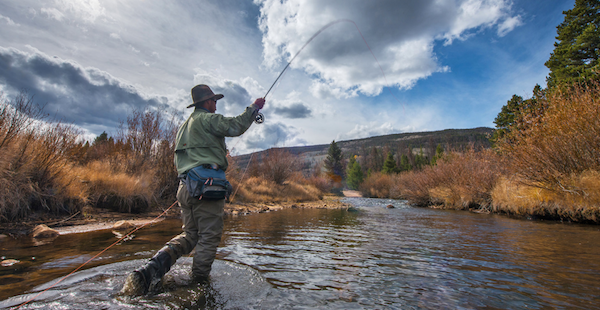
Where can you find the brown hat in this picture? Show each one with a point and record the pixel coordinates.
(203, 92)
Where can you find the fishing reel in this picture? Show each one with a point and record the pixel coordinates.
(259, 118)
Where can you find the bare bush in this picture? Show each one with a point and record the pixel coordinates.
(562, 142)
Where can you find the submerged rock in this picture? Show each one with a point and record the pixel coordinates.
(123, 225)
(9, 262)
(43, 231)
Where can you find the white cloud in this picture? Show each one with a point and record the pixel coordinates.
(509, 24)
(401, 34)
(369, 130)
(115, 36)
(86, 10)
(53, 13)
(9, 21)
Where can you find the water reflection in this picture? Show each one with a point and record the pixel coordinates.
(334, 259)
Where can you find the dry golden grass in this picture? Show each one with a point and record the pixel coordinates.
(377, 185)
(259, 190)
(116, 190)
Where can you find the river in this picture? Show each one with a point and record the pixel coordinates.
(368, 257)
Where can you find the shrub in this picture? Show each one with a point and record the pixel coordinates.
(561, 144)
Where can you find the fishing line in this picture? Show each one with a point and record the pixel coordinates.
(310, 40)
(89, 260)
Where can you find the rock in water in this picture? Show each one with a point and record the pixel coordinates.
(390, 207)
(43, 231)
(9, 262)
(123, 225)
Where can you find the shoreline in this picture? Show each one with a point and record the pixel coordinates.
(100, 219)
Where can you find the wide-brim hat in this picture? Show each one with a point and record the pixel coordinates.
(203, 92)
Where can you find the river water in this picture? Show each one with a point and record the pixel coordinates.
(368, 257)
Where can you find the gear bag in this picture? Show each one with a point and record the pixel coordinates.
(204, 183)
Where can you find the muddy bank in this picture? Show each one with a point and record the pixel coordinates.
(91, 219)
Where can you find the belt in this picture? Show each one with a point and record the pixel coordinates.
(210, 166)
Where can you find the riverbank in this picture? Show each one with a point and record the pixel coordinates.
(91, 219)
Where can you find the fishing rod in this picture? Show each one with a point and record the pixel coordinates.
(260, 118)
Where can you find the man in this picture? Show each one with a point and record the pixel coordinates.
(200, 142)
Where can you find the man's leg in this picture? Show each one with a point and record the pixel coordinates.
(142, 279)
(209, 217)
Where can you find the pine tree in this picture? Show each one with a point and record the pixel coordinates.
(439, 153)
(389, 166)
(404, 163)
(354, 175)
(333, 162)
(576, 53)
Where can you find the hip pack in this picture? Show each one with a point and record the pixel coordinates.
(203, 183)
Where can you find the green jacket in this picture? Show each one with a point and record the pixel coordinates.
(201, 139)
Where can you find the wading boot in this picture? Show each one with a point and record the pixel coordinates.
(145, 279)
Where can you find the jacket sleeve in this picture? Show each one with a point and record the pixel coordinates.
(233, 126)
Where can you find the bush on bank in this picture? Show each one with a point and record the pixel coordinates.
(46, 168)
(547, 167)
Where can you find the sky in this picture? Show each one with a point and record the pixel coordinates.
(376, 67)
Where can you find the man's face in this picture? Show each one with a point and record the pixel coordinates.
(211, 105)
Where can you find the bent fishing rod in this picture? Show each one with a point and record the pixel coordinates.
(260, 118)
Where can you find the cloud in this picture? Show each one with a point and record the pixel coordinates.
(369, 130)
(86, 10)
(9, 21)
(401, 34)
(53, 13)
(509, 24)
(291, 107)
(87, 97)
(265, 136)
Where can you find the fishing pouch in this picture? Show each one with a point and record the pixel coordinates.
(207, 183)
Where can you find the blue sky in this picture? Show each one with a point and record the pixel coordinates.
(448, 63)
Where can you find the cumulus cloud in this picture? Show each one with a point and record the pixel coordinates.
(268, 135)
(87, 97)
(401, 34)
(291, 107)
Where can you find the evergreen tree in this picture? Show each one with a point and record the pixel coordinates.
(354, 175)
(389, 166)
(576, 52)
(333, 162)
(420, 160)
(516, 109)
(404, 163)
(439, 153)
(102, 138)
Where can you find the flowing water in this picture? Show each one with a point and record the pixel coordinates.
(370, 257)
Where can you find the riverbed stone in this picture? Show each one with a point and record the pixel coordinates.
(9, 262)
(123, 225)
(43, 231)
(390, 206)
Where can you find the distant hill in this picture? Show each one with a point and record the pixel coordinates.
(426, 142)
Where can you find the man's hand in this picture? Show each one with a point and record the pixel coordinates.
(260, 103)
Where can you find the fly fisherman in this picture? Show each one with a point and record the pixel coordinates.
(200, 159)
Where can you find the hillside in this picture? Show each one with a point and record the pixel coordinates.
(426, 142)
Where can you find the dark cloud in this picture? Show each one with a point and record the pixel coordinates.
(268, 135)
(87, 97)
(294, 110)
